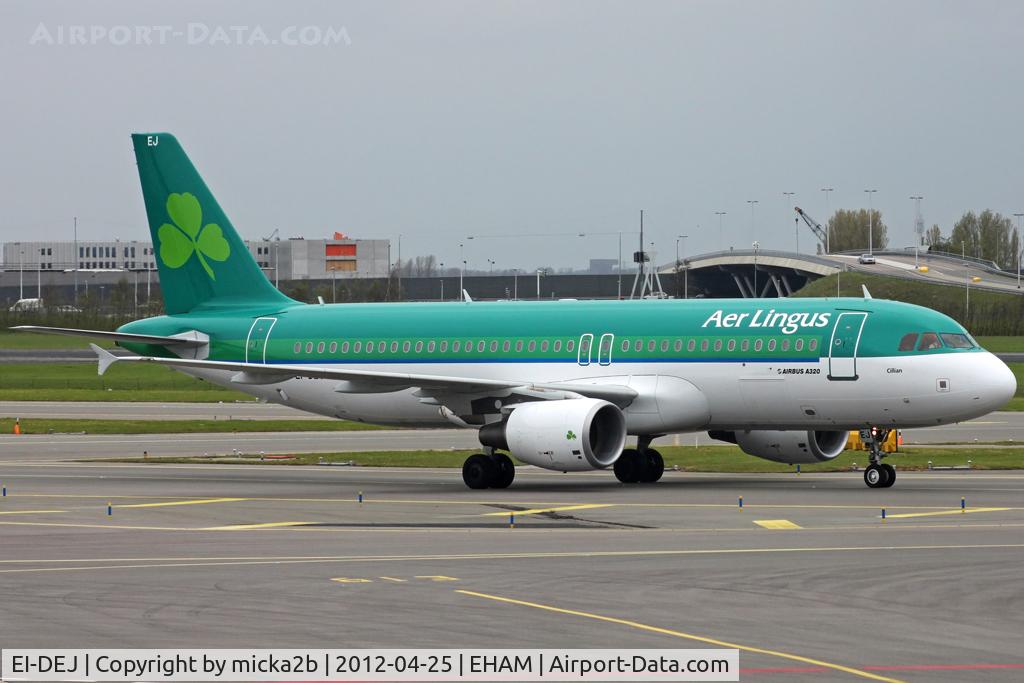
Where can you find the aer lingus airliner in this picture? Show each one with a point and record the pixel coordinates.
(559, 385)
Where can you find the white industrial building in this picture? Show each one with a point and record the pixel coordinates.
(289, 259)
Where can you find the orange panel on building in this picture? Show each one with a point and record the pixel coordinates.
(340, 250)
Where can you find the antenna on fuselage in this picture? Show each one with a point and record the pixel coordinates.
(867, 294)
(466, 297)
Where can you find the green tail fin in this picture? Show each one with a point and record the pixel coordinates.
(202, 261)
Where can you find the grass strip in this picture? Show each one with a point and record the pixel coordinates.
(73, 426)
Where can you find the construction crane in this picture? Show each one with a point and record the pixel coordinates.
(815, 227)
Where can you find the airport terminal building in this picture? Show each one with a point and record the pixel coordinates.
(290, 259)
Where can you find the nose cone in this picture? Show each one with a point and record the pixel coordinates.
(998, 381)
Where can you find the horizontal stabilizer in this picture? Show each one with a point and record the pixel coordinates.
(116, 336)
(105, 357)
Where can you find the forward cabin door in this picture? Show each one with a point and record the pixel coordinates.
(256, 343)
(842, 357)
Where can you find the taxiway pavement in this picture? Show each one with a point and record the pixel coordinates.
(806, 578)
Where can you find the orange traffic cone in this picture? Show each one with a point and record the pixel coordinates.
(17, 425)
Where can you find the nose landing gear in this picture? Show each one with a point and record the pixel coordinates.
(877, 475)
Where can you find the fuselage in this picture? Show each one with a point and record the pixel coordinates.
(696, 364)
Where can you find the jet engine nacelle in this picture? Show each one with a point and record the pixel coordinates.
(567, 435)
(789, 447)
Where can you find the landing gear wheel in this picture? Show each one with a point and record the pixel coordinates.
(505, 471)
(479, 471)
(655, 466)
(877, 477)
(627, 467)
(890, 472)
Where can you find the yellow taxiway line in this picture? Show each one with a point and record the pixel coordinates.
(29, 512)
(149, 563)
(538, 511)
(679, 634)
(957, 511)
(247, 527)
(180, 502)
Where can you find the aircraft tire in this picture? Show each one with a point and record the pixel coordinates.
(627, 467)
(479, 471)
(505, 471)
(876, 477)
(655, 466)
(890, 472)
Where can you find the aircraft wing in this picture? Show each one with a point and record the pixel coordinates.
(373, 381)
(183, 342)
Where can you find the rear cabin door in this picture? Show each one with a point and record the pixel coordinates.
(842, 358)
(256, 343)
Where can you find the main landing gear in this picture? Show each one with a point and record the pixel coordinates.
(877, 475)
(642, 465)
(494, 471)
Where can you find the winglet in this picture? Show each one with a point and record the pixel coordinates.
(106, 358)
(867, 294)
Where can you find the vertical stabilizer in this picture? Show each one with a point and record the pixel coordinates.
(202, 261)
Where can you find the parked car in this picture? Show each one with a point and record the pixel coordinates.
(867, 259)
(22, 305)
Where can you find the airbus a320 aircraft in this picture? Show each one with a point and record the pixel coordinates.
(559, 385)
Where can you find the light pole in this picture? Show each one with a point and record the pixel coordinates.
(720, 214)
(76, 260)
(462, 271)
(540, 271)
(871, 221)
(686, 271)
(442, 280)
(515, 284)
(918, 223)
(21, 272)
(828, 218)
(796, 230)
(753, 231)
(756, 246)
(1020, 249)
(490, 263)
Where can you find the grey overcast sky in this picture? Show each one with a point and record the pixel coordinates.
(438, 120)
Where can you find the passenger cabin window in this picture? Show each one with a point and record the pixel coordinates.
(956, 341)
(406, 346)
(456, 345)
(558, 345)
(519, 346)
(334, 347)
(309, 347)
(544, 346)
(320, 347)
(357, 347)
(570, 345)
(638, 346)
(394, 347)
(344, 347)
(298, 347)
(625, 345)
(908, 341)
(419, 347)
(444, 346)
(929, 341)
(431, 345)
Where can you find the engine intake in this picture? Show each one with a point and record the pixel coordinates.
(787, 447)
(567, 435)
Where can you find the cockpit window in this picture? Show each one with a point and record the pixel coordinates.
(929, 341)
(957, 341)
(908, 341)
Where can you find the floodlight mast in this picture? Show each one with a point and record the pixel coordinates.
(815, 227)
